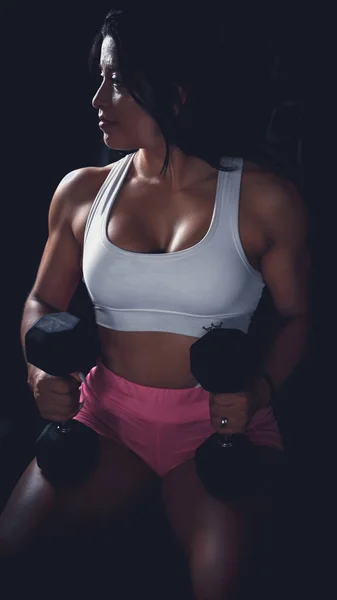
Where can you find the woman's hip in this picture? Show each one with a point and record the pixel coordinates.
(113, 402)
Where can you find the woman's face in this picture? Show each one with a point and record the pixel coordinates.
(131, 127)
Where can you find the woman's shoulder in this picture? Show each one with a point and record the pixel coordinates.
(87, 181)
(275, 201)
(76, 194)
(80, 183)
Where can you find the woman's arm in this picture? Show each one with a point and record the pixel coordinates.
(59, 271)
(285, 269)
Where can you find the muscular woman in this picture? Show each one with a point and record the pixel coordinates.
(180, 235)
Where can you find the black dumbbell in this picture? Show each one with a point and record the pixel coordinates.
(60, 344)
(223, 361)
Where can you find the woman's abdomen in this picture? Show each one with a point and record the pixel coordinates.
(153, 359)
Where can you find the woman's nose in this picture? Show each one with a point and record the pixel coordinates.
(95, 103)
(100, 98)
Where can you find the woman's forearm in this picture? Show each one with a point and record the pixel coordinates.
(284, 355)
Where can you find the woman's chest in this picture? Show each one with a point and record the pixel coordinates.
(146, 218)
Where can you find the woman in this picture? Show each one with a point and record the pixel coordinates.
(175, 238)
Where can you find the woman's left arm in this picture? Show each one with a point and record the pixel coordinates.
(285, 269)
(285, 265)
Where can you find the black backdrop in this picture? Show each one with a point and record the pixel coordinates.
(49, 128)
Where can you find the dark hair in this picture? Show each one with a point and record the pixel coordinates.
(227, 103)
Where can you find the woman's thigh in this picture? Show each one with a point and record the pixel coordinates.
(120, 482)
(217, 537)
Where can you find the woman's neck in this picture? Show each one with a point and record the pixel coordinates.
(182, 171)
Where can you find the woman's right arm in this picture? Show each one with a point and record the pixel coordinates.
(60, 270)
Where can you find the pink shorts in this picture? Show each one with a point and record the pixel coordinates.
(162, 426)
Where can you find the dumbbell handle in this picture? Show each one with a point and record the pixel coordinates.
(63, 427)
(225, 441)
(78, 375)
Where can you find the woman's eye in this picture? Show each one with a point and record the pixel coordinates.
(117, 82)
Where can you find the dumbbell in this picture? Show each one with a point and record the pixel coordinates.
(61, 344)
(223, 361)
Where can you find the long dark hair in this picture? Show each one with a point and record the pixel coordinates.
(227, 104)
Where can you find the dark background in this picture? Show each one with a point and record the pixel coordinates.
(49, 128)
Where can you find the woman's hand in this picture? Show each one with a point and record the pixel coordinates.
(57, 398)
(238, 409)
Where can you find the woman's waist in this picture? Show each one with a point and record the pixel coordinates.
(152, 359)
(109, 395)
(105, 393)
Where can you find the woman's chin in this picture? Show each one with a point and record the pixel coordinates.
(114, 145)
